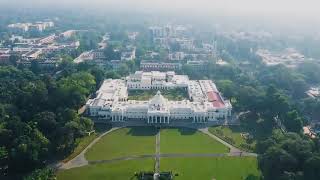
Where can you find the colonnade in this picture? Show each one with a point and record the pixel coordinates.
(158, 119)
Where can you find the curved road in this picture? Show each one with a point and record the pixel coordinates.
(80, 159)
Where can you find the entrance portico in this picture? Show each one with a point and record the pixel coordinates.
(158, 119)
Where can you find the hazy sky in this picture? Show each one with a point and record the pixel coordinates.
(295, 8)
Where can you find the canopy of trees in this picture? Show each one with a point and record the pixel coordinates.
(38, 116)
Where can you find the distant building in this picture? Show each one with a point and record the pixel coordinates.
(24, 27)
(48, 40)
(128, 54)
(116, 64)
(43, 64)
(159, 66)
(197, 65)
(314, 92)
(176, 56)
(5, 58)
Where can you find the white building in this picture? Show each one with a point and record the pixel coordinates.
(159, 66)
(205, 103)
(156, 80)
(176, 56)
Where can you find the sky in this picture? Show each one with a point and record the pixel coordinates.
(290, 8)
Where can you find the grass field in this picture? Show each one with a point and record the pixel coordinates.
(172, 94)
(233, 136)
(220, 168)
(83, 142)
(188, 141)
(112, 171)
(123, 142)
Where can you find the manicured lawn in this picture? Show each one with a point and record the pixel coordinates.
(124, 142)
(233, 136)
(83, 142)
(219, 168)
(108, 171)
(172, 94)
(188, 141)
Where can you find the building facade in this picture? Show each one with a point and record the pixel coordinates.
(205, 103)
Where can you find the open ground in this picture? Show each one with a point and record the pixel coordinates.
(192, 154)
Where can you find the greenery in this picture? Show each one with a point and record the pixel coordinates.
(289, 156)
(171, 94)
(81, 144)
(220, 168)
(235, 136)
(188, 141)
(123, 142)
(41, 174)
(38, 116)
(116, 170)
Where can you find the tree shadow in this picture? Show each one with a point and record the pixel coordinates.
(102, 127)
(252, 177)
(187, 131)
(143, 131)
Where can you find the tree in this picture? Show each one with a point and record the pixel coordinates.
(46, 122)
(312, 168)
(111, 54)
(293, 122)
(41, 174)
(227, 87)
(275, 162)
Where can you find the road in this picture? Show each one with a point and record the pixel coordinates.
(157, 158)
(80, 159)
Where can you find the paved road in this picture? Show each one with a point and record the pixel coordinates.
(233, 150)
(171, 156)
(157, 158)
(80, 159)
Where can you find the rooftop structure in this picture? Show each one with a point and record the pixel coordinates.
(314, 92)
(205, 104)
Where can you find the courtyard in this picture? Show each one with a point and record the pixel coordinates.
(170, 94)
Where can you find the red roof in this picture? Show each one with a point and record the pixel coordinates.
(216, 100)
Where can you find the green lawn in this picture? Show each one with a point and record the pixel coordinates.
(172, 94)
(188, 141)
(233, 136)
(219, 168)
(83, 142)
(121, 170)
(124, 142)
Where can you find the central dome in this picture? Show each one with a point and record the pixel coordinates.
(158, 100)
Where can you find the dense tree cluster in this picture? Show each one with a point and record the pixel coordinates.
(39, 121)
(289, 156)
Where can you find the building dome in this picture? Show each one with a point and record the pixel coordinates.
(158, 100)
